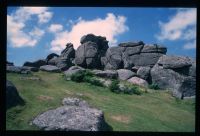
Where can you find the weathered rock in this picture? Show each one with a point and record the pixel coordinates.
(88, 55)
(124, 74)
(9, 63)
(53, 61)
(13, 69)
(36, 64)
(51, 56)
(73, 70)
(71, 118)
(50, 68)
(131, 44)
(25, 72)
(173, 62)
(74, 102)
(181, 85)
(34, 69)
(63, 62)
(138, 81)
(192, 70)
(12, 96)
(154, 49)
(144, 72)
(107, 74)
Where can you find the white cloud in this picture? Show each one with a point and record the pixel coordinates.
(190, 45)
(45, 17)
(110, 27)
(55, 28)
(181, 26)
(16, 25)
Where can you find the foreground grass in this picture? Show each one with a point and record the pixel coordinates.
(153, 111)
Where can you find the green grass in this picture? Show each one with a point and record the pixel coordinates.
(152, 111)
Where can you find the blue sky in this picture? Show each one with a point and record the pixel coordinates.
(34, 32)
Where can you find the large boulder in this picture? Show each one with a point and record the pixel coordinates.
(124, 74)
(138, 81)
(51, 56)
(13, 69)
(144, 72)
(180, 85)
(130, 54)
(107, 74)
(73, 70)
(90, 52)
(73, 116)
(34, 69)
(36, 64)
(12, 96)
(63, 62)
(50, 68)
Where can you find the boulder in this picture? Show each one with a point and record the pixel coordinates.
(34, 69)
(107, 74)
(12, 96)
(124, 74)
(144, 72)
(53, 61)
(36, 64)
(13, 69)
(90, 52)
(73, 70)
(180, 85)
(174, 62)
(50, 68)
(131, 44)
(74, 102)
(63, 62)
(71, 117)
(51, 56)
(154, 49)
(138, 81)
(192, 70)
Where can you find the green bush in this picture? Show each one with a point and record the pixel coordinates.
(154, 86)
(133, 90)
(114, 87)
(92, 81)
(78, 77)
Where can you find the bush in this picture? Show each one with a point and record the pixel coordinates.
(114, 87)
(133, 90)
(78, 77)
(92, 81)
(154, 86)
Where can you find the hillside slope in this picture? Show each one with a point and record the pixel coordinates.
(152, 111)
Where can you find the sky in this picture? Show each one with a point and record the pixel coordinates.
(35, 32)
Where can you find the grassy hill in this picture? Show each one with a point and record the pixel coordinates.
(152, 111)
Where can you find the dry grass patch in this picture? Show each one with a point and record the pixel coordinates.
(44, 98)
(121, 118)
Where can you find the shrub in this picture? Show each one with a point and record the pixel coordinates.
(133, 90)
(78, 77)
(114, 87)
(154, 86)
(88, 73)
(92, 81)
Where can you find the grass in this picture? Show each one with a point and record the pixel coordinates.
(152, 111)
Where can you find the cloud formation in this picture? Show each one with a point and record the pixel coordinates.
(181, 26)
(55, 28)
(16, 25)
(110, 27)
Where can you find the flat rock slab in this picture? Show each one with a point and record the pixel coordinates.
(50, 68)
(124, 74)
(71, 117)
(107, 74)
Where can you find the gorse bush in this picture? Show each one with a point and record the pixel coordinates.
(132, 90)
(93, 81)
(154, 86)
(78, 77)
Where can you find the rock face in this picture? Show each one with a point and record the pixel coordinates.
(174, 76)
(124, 74)
(12, 96)
(138, 81)
(89, 53)
(144, 72)
(75, 115)
(50, 68)
(130, 54)
(36, 64)
(63, 62)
